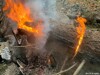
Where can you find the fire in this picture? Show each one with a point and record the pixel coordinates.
(80, 32)
(20, 14)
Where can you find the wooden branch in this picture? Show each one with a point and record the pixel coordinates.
(21, 64)
(79, 67)
(66, 69)
(65, 60)
(23, 46)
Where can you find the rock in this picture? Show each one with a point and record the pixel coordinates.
(5, 54)
(12, 70)
(4, 51)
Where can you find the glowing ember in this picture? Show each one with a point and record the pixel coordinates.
(20, 14)
(49, 61)
(80, 32)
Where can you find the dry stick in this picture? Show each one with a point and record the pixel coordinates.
(22, 46)
(20, 64)
(66, 69)
(79, 67)
(62, 67)
(64, 64)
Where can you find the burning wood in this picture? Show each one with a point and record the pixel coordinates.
(16, 14)
(80, 33)
(31, 55)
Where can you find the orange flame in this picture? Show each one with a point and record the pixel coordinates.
(20, 14)
(80, 32)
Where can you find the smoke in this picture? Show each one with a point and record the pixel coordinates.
(43, 10)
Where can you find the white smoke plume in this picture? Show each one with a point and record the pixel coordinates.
(45, 10)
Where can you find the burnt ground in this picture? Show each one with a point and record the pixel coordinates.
(61, 44)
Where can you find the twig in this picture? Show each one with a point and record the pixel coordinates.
(66, 69)
(64, 63)
(23, 46)
(79, 67)
(21, 64)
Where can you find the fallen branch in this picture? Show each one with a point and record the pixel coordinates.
(79, 67)
(66, 69)
(64, 63)
(21, 64)
(23, 46)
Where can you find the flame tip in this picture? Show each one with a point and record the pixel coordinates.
(80, 32)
